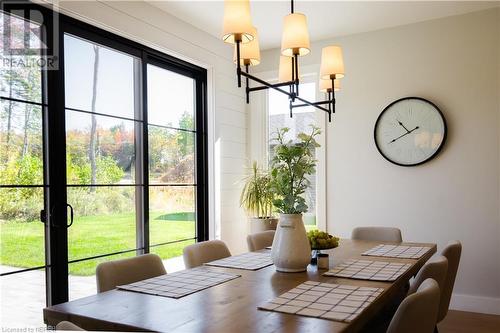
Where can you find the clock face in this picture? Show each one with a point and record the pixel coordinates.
(410, 131)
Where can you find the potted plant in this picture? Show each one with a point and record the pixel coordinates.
(257, 200)
(292, 162)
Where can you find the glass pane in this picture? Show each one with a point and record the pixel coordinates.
(22, 233)
(171, 213)
(21, 146)
(172, 255)
(303, 118)
(113, 149)
(170, 98)
(104, 222)
(171, 156)
(20, 75)
(98, 79)
(82, 281)
(279, 112)
(23, 298)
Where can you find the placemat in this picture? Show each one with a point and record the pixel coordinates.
(368, 270)
(397, 251)
(180, 284)
(250, 261)
(324, 300)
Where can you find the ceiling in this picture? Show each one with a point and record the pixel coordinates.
(326, 19)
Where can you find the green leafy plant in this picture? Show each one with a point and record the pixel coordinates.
(292, 162)
(256, 197)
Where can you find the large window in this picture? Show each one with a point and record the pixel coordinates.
(302, 120)
(110, 150)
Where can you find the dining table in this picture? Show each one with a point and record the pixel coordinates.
(233, 305)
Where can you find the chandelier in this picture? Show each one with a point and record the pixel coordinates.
(238, 30)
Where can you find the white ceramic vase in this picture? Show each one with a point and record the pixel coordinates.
(291, 251)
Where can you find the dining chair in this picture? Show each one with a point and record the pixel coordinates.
(199, 253)
(381, 234)
(117, 272)
(436, 269)
(260, 240)
(418, 312)
(67, 326)
(452, 252)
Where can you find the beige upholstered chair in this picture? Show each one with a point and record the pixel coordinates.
(117, 272)
(260, 240)
(436, 269)
(381, 234)
(200, 253)
(452, 252)
(67, 326)
(418, 312)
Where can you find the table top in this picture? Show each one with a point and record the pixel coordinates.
(231, 306)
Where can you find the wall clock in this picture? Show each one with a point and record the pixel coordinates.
(410, 131)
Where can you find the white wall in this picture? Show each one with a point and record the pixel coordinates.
(150, 26)
(453, 62)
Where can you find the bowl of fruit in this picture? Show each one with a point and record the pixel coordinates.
(321, 240)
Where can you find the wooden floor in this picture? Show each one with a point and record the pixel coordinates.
(460, 321)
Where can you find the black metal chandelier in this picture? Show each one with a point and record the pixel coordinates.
(238, 30)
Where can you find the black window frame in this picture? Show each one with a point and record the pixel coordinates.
(55, 182)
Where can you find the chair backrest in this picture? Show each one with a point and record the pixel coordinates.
(117, 272)
(67, 326)
(202, 252)
(452, 252)
(436, 269)
(382, 234)
(418, 312)
(260, 240)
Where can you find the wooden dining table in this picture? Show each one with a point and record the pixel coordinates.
(232, 306)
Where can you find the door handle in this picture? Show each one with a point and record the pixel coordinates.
(70, 215)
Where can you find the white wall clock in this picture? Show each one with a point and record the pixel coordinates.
(410, 131)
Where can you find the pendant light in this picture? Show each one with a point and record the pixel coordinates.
(237, 22)
(250, 52)
(295, 43)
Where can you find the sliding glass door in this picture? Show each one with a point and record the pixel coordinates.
(22, 181)
(108, 150)
(103, 115)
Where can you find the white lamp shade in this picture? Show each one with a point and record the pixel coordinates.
(237, 21)
(285, 69)
(249, 52)
(295, 38)
(326, 85)
(332, 62)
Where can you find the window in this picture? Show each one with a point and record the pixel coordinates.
(302, 120)
(110, 149)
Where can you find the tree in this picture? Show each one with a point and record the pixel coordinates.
(93, 128)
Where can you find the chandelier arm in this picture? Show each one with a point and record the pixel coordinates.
(290, 95)
(238, 68)
(329, 108)
(282, 84)
(247, 89)
(296, 61)
(333, 77)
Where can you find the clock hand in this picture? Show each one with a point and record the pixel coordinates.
(400, 123)
(399, 137)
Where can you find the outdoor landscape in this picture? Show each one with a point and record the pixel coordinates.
(100, 168)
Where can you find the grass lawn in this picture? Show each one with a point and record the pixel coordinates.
(22, 243)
